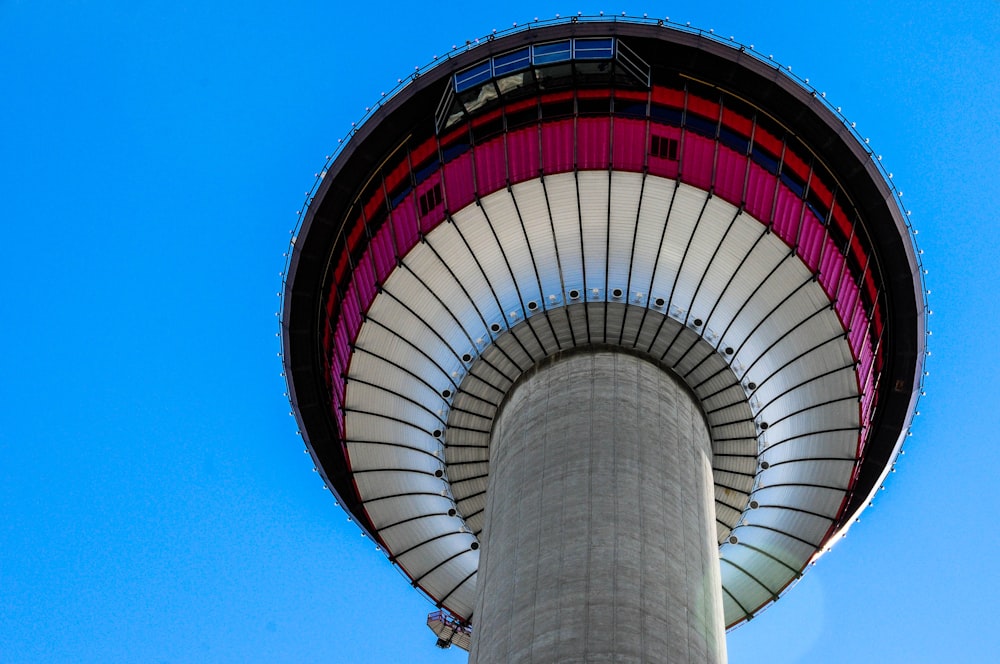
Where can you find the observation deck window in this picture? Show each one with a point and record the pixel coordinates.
(543, 54)
(539, 67)
(473, 76)
(535, 55)
(509, 63)
(594, 49)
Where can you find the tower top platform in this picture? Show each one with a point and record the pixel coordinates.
(591, 183)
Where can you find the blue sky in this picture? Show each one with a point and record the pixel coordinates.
(156, 503)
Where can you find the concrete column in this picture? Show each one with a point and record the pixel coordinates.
(599, 540)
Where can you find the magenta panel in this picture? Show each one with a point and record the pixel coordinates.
(760, 192)
(729, 175)
(350, 312)
(341, 350)
(787, 212)
(860, 326)
(557, 146)
(698, 158)
(811, 239)
(858, 336)
(435, 215)
(460, 189)
(848, 299)
(522, 154)
(338, 368)
(383, 252)
(865, 361)
(491, 166)
(629, 145)
(404, 223)
(369, 287)
(364, 281)
(667, 168)
(593, 143)
(336, 371)
(831, 267)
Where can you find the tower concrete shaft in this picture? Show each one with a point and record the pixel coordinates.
(599, 540)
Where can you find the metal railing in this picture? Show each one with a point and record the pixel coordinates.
(633, 64)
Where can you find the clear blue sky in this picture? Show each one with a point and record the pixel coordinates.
(155, 504)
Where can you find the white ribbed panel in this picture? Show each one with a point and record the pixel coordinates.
(751, 294)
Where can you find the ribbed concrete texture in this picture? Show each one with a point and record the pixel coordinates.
(599, 532)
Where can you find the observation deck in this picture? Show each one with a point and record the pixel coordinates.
(594, 185)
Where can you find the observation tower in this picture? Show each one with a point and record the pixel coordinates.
(603, 330)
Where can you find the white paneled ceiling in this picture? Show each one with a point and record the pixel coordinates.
(505, 283)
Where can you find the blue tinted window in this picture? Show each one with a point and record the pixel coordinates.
(793, 183)
(701, 125)
(594, 49)
(765, 160)
(733, 140)
(667, 115)
(473, 76)
(426, 171)
(454, 151)
(511, 62)
(398, 198)
(552, 52)
(538, 54)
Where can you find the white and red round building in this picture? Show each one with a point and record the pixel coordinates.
(603, 331)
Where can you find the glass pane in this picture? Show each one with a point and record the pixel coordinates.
(510, 83)
(555, 76)
(511, 62)
(474, 101)
(472, 76)
(592, 49)
(551, 52)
